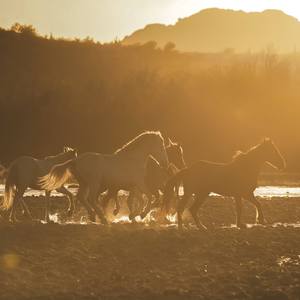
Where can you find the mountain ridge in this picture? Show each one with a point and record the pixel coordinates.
(213, 30)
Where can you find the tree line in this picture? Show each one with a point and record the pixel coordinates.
(95, 97)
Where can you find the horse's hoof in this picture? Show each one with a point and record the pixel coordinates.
(241, 226)
(92, 218)
(116, 212)
(262, 222)
(202, 227)
(132, 217)
(70, 213)
(104, 222)
(143, 215)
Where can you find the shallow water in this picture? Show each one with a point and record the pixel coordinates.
(262, 191)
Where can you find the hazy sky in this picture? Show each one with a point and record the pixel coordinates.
(105, 20)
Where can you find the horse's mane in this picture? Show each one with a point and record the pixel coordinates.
(240, 154)
(136, 141)
(51, 156)
(68, 149)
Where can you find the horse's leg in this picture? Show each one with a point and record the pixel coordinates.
(238, 208)
(156, 202)
(181, 207)
(93, 196)
(260, 219)
(47, 206)
(105, 200)
(194, 209)
(26, 209)
(71, 199)
(130, 200)
(82, 196)
(147, 208)
(117, 202)
(18, 199)
(111, 194)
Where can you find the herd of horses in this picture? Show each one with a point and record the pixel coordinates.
(145, 166)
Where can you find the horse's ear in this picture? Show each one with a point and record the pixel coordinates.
(167, 141)
(173, 143)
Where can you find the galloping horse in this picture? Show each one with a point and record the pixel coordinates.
(124, 169)
(237, 179)
(25, 172)
(155, 178)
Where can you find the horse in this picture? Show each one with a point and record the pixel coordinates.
(125, 168)
(237, 179)
(25, 172)
(155, 179)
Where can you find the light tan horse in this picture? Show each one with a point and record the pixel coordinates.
(124, 169)
(25, 172)
(155, 179)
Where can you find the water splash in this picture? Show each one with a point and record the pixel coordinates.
(54, 218)
(285, 260)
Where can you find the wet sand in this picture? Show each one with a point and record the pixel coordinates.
(147, 261)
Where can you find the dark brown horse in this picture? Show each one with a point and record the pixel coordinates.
(237, 179)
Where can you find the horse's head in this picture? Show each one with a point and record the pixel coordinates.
(272, 155)
(158, 151)
(175, 154)
(69, 152)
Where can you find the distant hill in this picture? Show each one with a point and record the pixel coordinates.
(214, 30)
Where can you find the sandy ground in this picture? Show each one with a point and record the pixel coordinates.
(147, 261)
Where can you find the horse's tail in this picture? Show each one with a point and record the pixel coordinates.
(3, 172)
(169, 190)
(58, 175)
(9, 191)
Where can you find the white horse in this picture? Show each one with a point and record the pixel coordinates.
(125, 169)
(155, 179)
(25, 172)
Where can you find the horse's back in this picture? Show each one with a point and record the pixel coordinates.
(25, 170)
(203, 175)
(24, 162)
(221, 178)
(207, 167)
(90, 165)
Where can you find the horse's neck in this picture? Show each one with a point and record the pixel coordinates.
(58, 159)
(169, 154)
(252, 161)
(139, 154)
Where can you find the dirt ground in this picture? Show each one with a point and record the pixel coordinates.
(148, 261)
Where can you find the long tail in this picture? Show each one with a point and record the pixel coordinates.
(3, 172)
(9, 192)
(58, 175)
(169, 190)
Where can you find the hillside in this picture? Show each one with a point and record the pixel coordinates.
(213, 30)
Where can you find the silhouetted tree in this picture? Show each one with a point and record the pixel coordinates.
(28, 30)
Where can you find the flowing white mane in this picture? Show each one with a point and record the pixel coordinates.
(142, 138)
